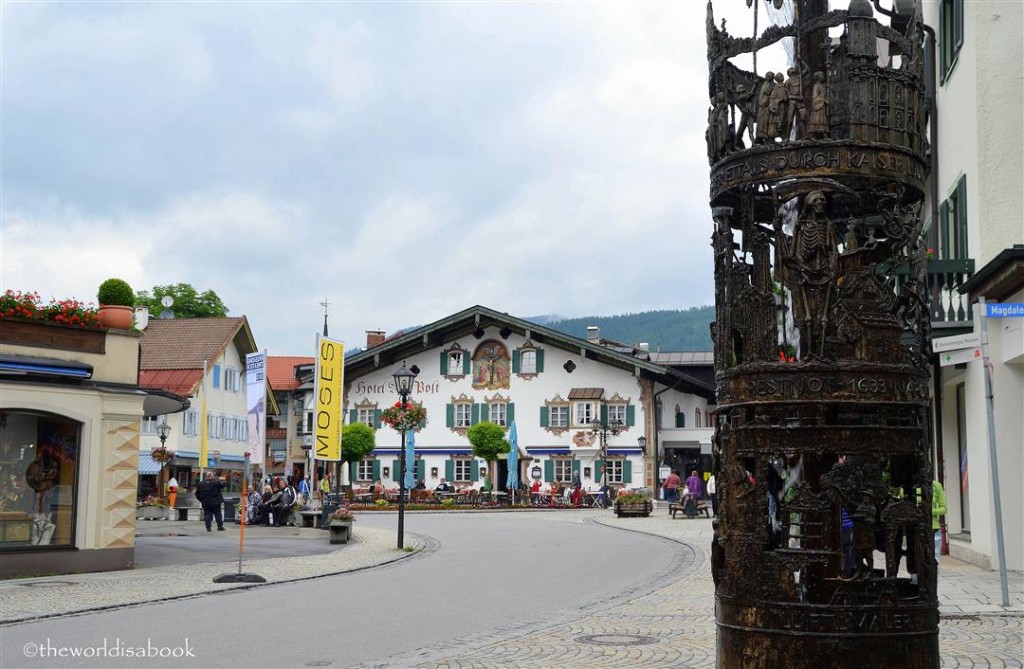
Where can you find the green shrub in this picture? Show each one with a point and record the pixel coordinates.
(116, 292)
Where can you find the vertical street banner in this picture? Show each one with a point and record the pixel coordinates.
(330, 373)
(256, 404)
(204, 428)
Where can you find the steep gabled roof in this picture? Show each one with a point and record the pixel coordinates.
(281, 370)
(391, 352)
(172, 350)
(184, 343)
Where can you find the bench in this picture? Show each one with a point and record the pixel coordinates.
(698, 507)
(185, 502)
(310, 518)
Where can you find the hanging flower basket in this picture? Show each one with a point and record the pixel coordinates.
(404, 418)
(162, 454)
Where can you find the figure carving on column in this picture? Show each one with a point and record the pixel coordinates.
(814, 257)
(764, 134)
(817, 126)
(777, 108)
(795, 109)
(746, 100)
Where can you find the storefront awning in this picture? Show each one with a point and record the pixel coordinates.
(147, 465)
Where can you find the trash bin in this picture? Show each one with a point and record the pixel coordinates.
(229, 510)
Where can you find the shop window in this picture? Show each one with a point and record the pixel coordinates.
(38, 467)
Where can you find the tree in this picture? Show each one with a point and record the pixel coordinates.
(488, 441)
(357, 441)
(188, 303)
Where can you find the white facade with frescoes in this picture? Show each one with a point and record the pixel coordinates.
(481, 365)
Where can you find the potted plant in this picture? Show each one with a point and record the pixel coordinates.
(402, 418)
(339, 523)
(116, 304)
(633, 504)
(151, 507)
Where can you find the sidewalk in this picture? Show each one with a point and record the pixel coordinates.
(43, 597)
(666, 622)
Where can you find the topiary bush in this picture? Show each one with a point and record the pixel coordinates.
(116, 292)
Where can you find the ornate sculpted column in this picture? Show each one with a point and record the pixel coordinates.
(823, 552)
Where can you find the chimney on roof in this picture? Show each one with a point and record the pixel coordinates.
(141, 317)
(374, 337)
(593, 334)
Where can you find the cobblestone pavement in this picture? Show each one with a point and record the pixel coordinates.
(668, 621)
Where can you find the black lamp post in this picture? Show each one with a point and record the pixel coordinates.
(163, 430)
(403, 384)
(602, 430)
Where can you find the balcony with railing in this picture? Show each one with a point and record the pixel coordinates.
(950, 311)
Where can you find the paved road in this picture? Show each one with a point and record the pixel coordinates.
(479, 573)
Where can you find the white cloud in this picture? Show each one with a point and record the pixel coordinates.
(404, 160)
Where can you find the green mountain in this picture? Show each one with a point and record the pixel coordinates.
(665, 330)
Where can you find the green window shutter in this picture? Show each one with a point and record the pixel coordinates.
(680, 419)
(449, 415)
(515, 362)
(421, 469)
(467, 364)
(352, 416)
(449, 469)
(484, 412)
(544, 420)
(961, 218)
(549, 470)
(598, 466)
(376, 418)
(395, 469)
(944, 234)
(376, 469)
(422, 424)
(444, 363)
(510, 412)
(576, 467)
(540, 360)
(630, 415)
(604, 414)
(627, 471)
(474, 416)
(474, 470)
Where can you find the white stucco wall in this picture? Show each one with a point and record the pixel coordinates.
(528, 394)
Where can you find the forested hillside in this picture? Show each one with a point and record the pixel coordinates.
(666, 330)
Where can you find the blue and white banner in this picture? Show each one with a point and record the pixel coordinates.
(256, 405)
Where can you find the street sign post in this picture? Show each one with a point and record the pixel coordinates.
(959, 356)
(956, 342)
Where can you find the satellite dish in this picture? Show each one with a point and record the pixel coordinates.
(167, 300)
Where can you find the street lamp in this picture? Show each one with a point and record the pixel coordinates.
(641, 441)
(602, 430)
(403, 384)
(163, 430)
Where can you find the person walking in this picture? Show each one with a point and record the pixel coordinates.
(304, 490)
(671, 486)
(713, 494)
(210, 493)
(938, 509)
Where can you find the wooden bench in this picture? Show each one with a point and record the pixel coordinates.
(699, 507)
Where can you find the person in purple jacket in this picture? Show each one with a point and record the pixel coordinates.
(693, 485)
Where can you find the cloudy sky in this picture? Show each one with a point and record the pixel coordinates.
(403, 160)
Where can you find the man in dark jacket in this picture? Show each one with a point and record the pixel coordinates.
(209, 492)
